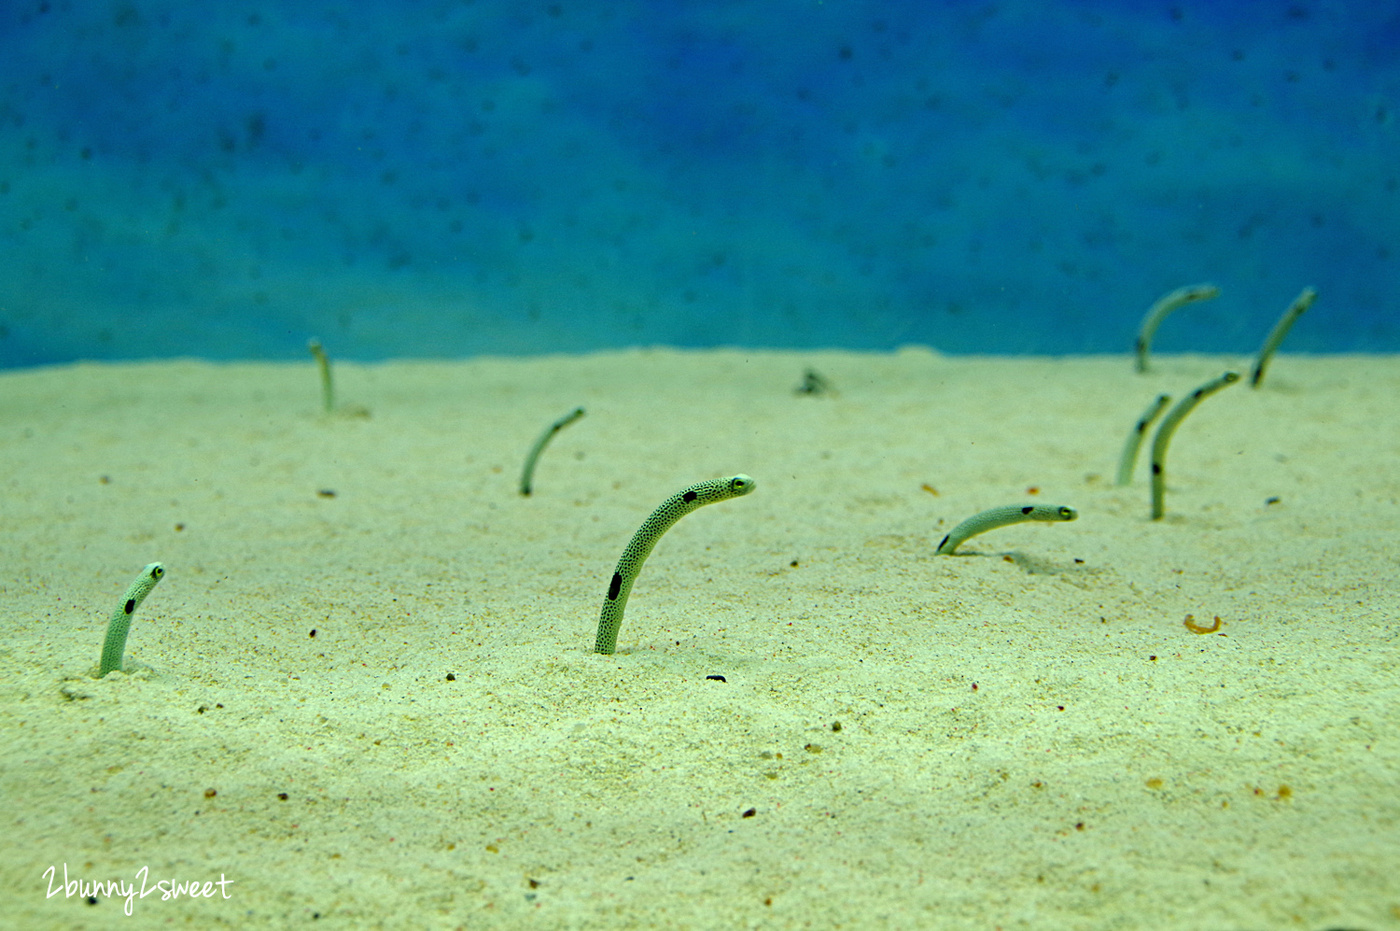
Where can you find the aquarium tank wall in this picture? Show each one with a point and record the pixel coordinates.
(471, 177)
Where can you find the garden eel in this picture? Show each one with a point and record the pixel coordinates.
(115, 644)
(324, 364)
(1158, 312)
(1285, 323)
(1168, 427)
(1130, 448)
(527, 477)
(670, 511)
(1000, 517)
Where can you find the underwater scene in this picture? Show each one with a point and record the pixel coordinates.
(792, 464)
(452, 179)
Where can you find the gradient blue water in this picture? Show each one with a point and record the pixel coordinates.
(456, 178)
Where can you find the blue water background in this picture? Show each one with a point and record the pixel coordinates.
(226, 180)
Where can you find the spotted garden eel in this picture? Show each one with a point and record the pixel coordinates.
(324, 364)
(1158, 312)
(1134, 443)
(115, 644)
(1164, 436)
(671, 510)
(1285, 323)
(527, 477)
(1000, 517)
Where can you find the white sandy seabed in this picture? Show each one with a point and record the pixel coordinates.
(364, 695)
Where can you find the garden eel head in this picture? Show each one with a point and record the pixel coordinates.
(1068, 513)
(740, 485)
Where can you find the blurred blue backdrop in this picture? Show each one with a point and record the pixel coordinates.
(461, 177)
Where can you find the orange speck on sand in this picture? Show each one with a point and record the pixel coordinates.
(1195, 628)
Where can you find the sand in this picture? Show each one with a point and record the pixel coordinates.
(364, 694)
